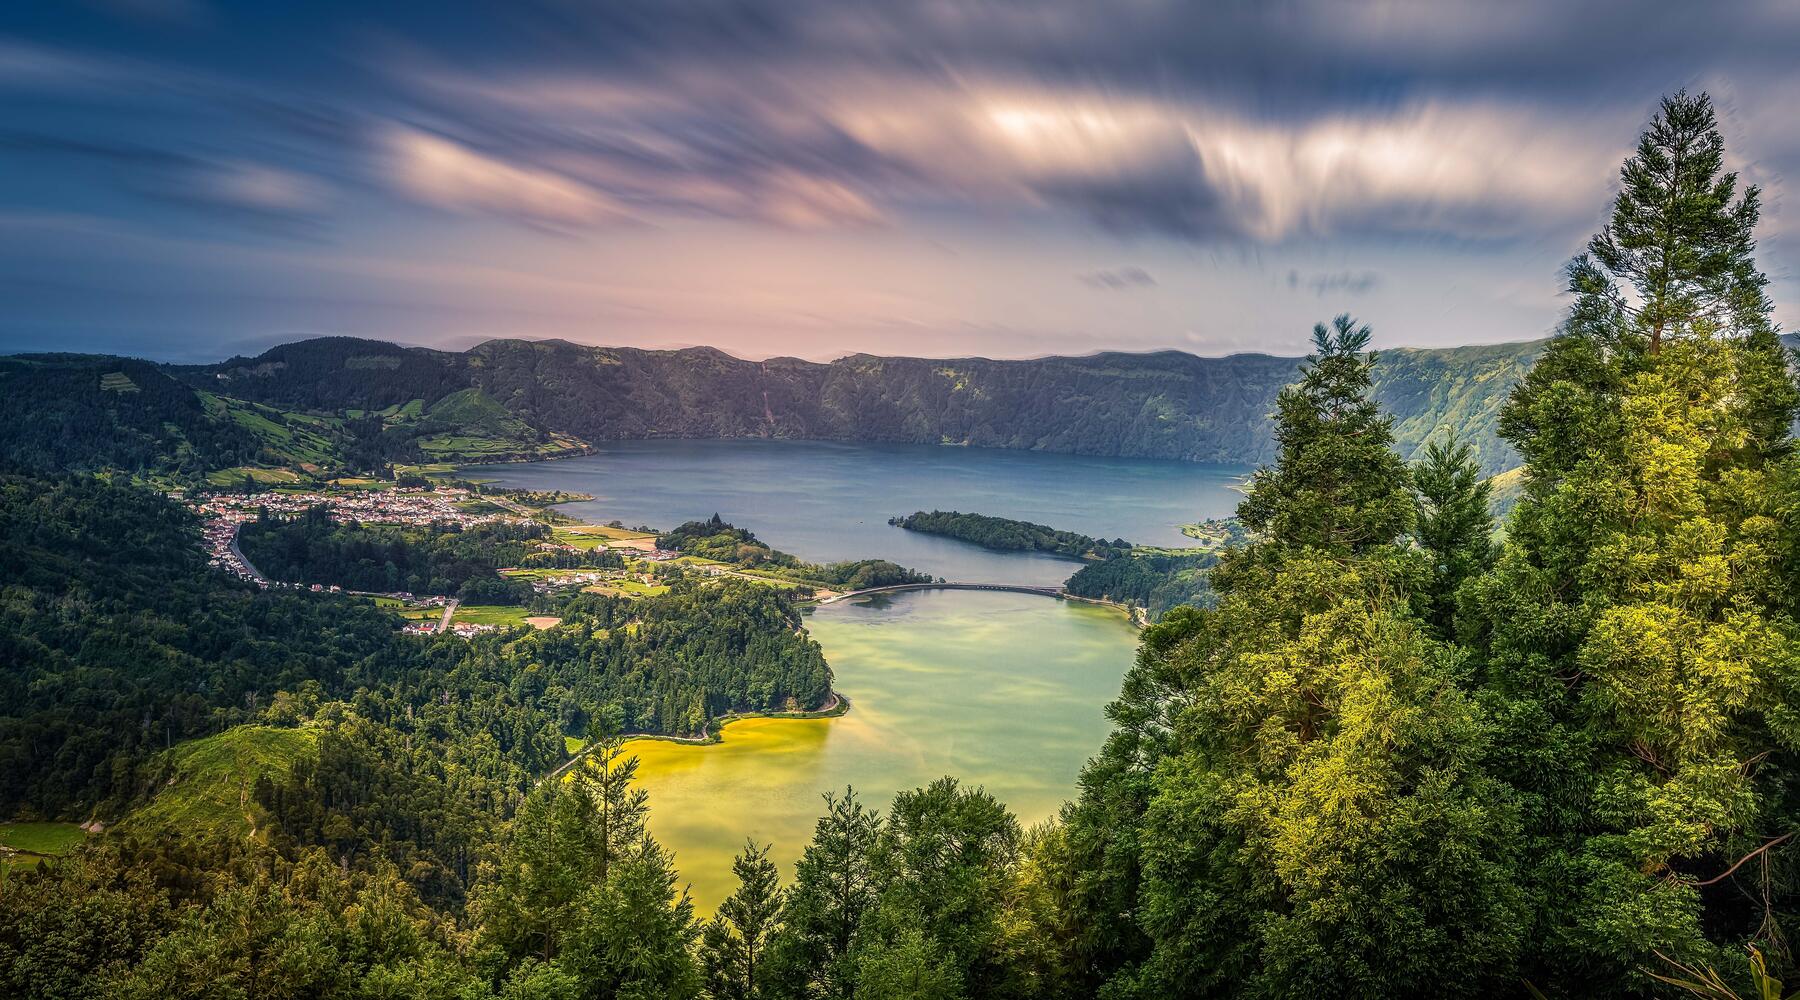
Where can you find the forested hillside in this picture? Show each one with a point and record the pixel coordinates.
(120, 641)
(89, 413)
(339, 405)
(1163, 405)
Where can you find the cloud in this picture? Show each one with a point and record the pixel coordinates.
(1348, 282)
(433, 170)
(857, 146)
(1119, 279)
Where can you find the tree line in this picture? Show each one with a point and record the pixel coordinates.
(1005, 534)
(719, 540)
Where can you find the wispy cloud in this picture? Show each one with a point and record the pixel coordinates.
(1119, 279)
(1327, 282)
(436, 171)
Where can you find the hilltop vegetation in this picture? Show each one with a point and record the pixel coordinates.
(1162, 405)
(1005, 534)
(722, 542)
(89, 414)
(206, 786)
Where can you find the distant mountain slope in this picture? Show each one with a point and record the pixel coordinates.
(87, 413)
(1161, 405)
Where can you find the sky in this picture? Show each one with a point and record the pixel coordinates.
(192, 179)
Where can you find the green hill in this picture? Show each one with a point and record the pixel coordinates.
(1159, 405)
(205, 785)
(343, 403)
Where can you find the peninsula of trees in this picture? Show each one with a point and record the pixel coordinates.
(723, 542)
(1004, 534)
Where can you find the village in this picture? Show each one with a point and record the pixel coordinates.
(224, 514)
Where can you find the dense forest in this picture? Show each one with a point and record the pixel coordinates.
(718, 540)
(1005, 534)
(1155, 581)
(120, 642)
(89, 414)
(1399, 754)
(384, 558)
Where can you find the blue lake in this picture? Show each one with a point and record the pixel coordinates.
(826, 502)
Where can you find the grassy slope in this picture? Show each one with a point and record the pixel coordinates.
(470, 424)
(209, 790)
(37, 843)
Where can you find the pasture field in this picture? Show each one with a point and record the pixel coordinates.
(504, 615)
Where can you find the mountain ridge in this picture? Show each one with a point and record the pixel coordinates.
(1166, 404)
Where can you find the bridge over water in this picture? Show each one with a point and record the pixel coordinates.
(1138, 616)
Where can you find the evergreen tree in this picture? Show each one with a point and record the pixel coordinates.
(1636, 640)
(1337, 484)
(1318, 821)
(604, 778)
(822, 917)
(735, 941)
(1455, 526)
(946, 858)
(1680, 236)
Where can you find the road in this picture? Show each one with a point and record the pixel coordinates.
(249, 567)
(449, 613)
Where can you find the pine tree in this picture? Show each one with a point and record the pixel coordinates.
(734, 943)
(833, 892)
(1680, 236)
(1337, 484)
(1319, 818)
(604, 778)
(1636, 644)
(1455, 526)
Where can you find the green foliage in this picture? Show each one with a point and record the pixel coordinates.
(1679, 235)
(715, 539)
(439, 559)
(1295, 802)
(204, 786)
(1636, 635)
(69, 413)
(1004, 534)
(581, 886)
(834, 890)
(1455, 525)
(735, 944)
(120, 642)
(1156, 581)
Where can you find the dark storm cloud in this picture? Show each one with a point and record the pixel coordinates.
(1198, 122)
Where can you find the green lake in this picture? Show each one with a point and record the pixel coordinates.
(1002, 690)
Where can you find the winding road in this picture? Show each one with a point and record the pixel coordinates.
(238, 554)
